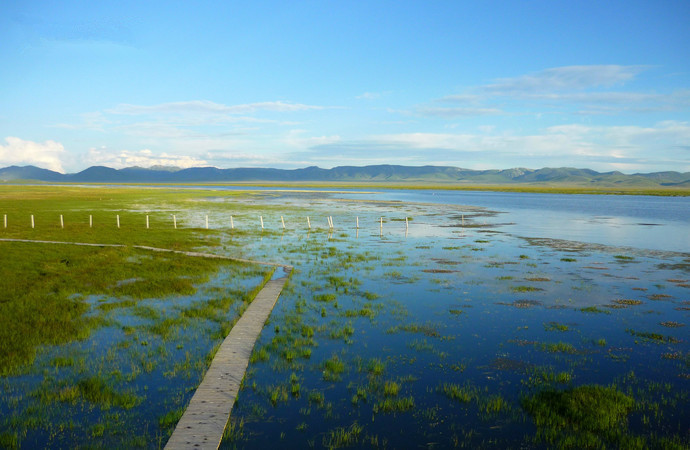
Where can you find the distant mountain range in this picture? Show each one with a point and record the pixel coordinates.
(372, 174)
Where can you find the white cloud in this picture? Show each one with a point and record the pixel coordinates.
(208, 107)
(565, 79)
(296, 138)
(141, 158)
(629, 148)
(46, 155)
(457, 112)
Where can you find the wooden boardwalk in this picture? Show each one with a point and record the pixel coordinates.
(204, 421)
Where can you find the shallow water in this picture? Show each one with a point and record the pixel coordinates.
(475, 306)
(464, 295)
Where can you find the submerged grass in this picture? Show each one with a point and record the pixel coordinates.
(589, 416)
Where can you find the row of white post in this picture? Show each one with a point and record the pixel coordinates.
(331, 226)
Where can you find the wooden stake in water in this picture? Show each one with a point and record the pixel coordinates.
(407, 225)
(207, 221)
(62, 222)
(90, 221)
(32, 221)
(463, 220)
(118, 221)
(357, 223)
(147, 221)
(281, 219)
(232, 224)
(174, 222)
(331, 219)
(5, 220)
(381, 221)
(262, 221)
(308, 223)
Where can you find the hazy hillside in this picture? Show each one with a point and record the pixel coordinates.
(373, 174)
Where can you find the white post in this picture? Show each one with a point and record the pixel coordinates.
(331, 217)
(463, 220)
(62, 222)
(32, 221)
(357, 223)
(207, 221)
(174, 221)
(381, 226)
(262, 221)
(283, 221)
(308, 223)
(90, 221)
(232, 224)
(5, 220)
(118, 221)
(407, 225)
(147, 221)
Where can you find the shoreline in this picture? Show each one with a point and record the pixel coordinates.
(552, 188)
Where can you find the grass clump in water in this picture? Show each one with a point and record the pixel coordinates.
(555, 326)
(392, 405)
(333, 368)
(590, 416)
(343, 437)
(97, 391)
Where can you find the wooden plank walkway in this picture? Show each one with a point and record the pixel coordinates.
(204, 420)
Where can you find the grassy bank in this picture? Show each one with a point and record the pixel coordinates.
(541, 188)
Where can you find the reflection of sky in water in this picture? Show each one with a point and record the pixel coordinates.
(660, 223)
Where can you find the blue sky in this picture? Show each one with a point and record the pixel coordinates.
(474, 84)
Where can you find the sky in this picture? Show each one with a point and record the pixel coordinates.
(603, 85)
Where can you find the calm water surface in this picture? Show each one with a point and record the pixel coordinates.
(659, 223)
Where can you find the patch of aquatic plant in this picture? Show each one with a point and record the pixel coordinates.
(538, 279)
(594, 309)
(425, 329)
(555, 326)
(624, 257)
(558, 347)
(97, 391)
(656, 337)
(627, 302)
(333, 368)
(376, 367)
(672, 324)
(234, 430)
(525, 289)
(343, 437)
(589, 416)
(545, 376)
(171, 418)
(394, 405)
(522, 304)
(487, 404)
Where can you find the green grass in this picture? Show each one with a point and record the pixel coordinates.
(376, 367)
(343, 437)
(394, 405)
(333, 368)
(555, 326)
(98, 391)
(590, 416)
(525, 289)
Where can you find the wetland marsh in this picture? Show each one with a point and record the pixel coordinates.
(458, 331)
